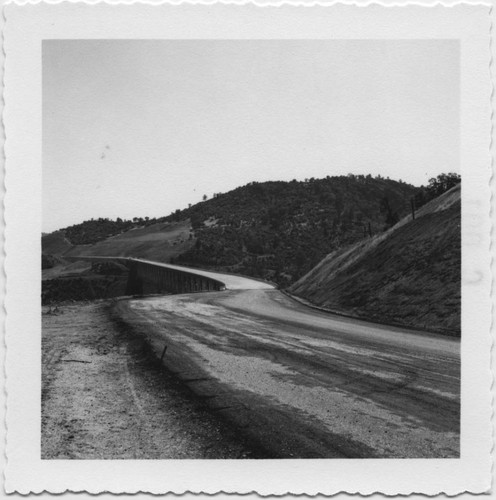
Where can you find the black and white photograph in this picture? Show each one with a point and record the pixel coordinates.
(250, 249)
(246, 254)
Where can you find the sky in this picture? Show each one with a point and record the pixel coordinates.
(135, 128)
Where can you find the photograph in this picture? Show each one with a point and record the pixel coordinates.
(251, 248)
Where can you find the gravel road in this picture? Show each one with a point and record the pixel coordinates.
(301, 383)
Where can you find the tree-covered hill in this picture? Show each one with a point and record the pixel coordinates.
(273, 230)
(280, 230)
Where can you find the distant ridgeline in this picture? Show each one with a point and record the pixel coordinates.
(272, 230)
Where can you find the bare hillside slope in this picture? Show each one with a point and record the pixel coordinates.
(157, 241)
(410, 274)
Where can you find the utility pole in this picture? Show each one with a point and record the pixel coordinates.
(412, 203)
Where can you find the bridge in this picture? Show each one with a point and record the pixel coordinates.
(155, 277)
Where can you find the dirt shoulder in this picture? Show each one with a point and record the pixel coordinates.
(105, 397)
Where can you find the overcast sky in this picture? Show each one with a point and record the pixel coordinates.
(140, 128)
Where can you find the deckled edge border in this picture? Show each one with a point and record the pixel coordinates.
(3, 255)
(492, 240)
(268, 3)
(271, 3)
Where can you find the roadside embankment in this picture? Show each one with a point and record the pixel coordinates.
(409, 275)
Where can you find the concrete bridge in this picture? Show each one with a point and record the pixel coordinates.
(155, 277)
(147, 277)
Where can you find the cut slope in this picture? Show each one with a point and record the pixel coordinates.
(410, 275)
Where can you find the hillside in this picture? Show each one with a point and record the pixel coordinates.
(280, 230)
(272, 230)
(159, 241)
(55, 243)
(410, 274)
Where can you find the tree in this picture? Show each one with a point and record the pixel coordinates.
(436, 187)
(205, 197)
(442, 183)
(391, 216)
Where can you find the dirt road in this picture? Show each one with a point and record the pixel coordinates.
(104, 396)
(307, 384)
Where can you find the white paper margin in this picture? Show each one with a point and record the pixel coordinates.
(25, 28)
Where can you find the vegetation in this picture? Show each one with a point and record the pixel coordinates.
(48, 261)
(55, 243)
(280, 230)
(82, 288)
(436, 187)
(391, 216)
(273, 230)
(94, 230)
(91, 231)
(98, 280)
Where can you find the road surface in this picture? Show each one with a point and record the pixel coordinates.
(305, 383)
(232, 281)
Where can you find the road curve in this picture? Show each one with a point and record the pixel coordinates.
(232, 281)
(306, 383)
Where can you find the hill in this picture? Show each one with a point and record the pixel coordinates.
(272, 230)
(157, 241)
(161, 242)
(280, 230)
(409, 275)
(55, 243)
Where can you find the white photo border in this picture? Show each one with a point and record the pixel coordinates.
(26, 27)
